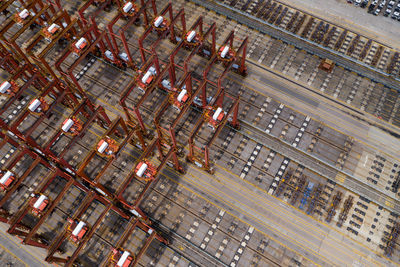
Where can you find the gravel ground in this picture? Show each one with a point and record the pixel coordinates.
(380, 28)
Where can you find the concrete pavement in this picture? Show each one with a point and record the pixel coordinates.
(28, 255)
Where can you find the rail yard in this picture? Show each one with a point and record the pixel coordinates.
(195, 133)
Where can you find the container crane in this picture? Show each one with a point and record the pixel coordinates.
(147, 170)
(41, 107)
(12, 89)
(68, 29)
(119, 256)
(79, 231)
(163, 24)
(23, 153)
(133, 18)
(215, 116)
(108, 147)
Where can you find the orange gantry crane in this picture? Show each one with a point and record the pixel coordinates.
(72, 129)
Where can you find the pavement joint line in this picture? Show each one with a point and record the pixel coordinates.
(231, 214)
(265, 200)
(386, 202)
(21, 247)
(295, 82)
(10, 252)
(223, 200)
(96, 134)
(283, 202)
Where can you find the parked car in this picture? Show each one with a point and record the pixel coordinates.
(364, 3)
(377, 11)
(372, 6)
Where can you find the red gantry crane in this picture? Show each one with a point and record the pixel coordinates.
(11, 180)
(215, 116)
(40, 108)
(73, 128)
(108, 148)
(131, 12)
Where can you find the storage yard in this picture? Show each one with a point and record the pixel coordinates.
(195, 133)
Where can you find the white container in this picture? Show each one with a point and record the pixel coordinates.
(127, 7)
(109, 54)
(39, 201)
(24, 14)
(224, 51)
(191, 35)
(123, 258)
(53, 27)
(5, 177)
(158, 21)
(146, 76)
(216, 113)
(78, 228)
(124, 57)
(67, 125)
(181, 95)
(34, 105)
(103, 147)
(80, 42)
(141, 170)
(4, 87)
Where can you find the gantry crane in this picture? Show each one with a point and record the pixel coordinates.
(148, 171)
(73, 128)
(148, 78)
(78, 230)
(61, 29)
(163, 24)
(108, 147)
(40, 108)
(215, 115)
(198, 44)
(12, 89)
(11, 181)
(82, 45)
(40, 205)
(180, 98)
(131, 12)
(231, 57)
(119, 256)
